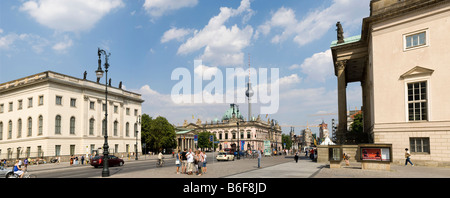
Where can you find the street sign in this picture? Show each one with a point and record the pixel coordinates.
(216, 142)
(211, 138)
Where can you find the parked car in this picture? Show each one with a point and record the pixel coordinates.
(112, 161)
(224, 156)
(6, 172)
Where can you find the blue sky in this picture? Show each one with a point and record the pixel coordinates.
(149, 39)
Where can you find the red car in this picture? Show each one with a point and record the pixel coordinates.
(112, 161)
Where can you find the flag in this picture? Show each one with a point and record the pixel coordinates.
(267, 115)
(192, 116)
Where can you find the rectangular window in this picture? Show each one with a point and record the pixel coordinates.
(72, 149)
(73, 102)
(419, 145)
(128, 111)
(59, 100)
(417, 101)
(41, 100)
(415, 40)
(30, 102)
(10, 106)
(116, 109)
(19, 105)
(92, 105)
(1, 108)
(57, 150)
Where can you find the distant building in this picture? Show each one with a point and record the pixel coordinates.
(251, 136)
(50, 114)
(402, 61)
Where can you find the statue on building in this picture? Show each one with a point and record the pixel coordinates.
(84, 75)
(120, 85)
(199, 122)
(185, 123)
(340, 32)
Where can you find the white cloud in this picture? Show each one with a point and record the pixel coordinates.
(36, 42)
(63, 45)
(316, 23)
(318, 67)
(175, 33)
(157, 8)
(69, 15)
(222, 45)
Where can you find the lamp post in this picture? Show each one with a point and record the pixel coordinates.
(238, 132)
(99, 74)
(138, 121)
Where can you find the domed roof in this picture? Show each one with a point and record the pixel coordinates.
(229, 113)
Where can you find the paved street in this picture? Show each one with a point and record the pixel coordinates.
(272, 167)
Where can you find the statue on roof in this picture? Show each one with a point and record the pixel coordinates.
(185, 123)
(340, 32)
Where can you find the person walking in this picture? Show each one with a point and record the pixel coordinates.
(178, 161)
(183, 161)
(407, 156)
(190, 162)
(204, 163)
(296, 157)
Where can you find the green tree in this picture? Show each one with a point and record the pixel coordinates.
(203, 140)
(356, 134)
(286, 139)
(157, 133)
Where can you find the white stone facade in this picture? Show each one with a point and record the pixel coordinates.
(50, 114)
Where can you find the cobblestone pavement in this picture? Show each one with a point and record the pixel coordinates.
(214, 169)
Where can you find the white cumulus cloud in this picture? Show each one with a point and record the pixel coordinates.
(69, 15)
(157, 8)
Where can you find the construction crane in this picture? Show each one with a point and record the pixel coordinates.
(302, 126)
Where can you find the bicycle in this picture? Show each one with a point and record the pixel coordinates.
(160, 164)
(26, 174)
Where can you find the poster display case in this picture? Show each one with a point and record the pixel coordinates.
(375, 152)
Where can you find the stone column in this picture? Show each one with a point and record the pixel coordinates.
(342, 101)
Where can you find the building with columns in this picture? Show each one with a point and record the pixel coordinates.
(251, 136)
(50, 114)
(402, 61)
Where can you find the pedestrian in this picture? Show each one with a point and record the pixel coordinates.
(346, 158)
(183, 162)
(178, 161)
(190, 162)
(259, 157)
(204, 163)
(408, 156)
(71, 160)
(199, 162)
(82, 159)
(296, 157)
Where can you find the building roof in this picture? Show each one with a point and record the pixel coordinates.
(348, 40)
(229, 113)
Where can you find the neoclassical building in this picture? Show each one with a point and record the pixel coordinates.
(50, 114)
(252, 134)
(402, 61)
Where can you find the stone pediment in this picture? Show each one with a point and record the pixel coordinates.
(416, 72)
(191, 126)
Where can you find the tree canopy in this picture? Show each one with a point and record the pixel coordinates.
(157, 133)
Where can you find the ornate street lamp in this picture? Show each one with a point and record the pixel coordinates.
(99, 73)
(138, 121)
(238, 132)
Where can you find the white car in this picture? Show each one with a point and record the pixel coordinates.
(224, 156)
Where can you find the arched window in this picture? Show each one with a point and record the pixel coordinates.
(127, 129)
(103, 127)
(91, 126)
(40, 125)
(58, 125)
(72, 125)
(10, 129)
(19, 128)
(30, 127)
(115, 127)
(1, 130)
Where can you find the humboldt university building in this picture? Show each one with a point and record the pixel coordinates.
(402, 60)
(51, 114)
